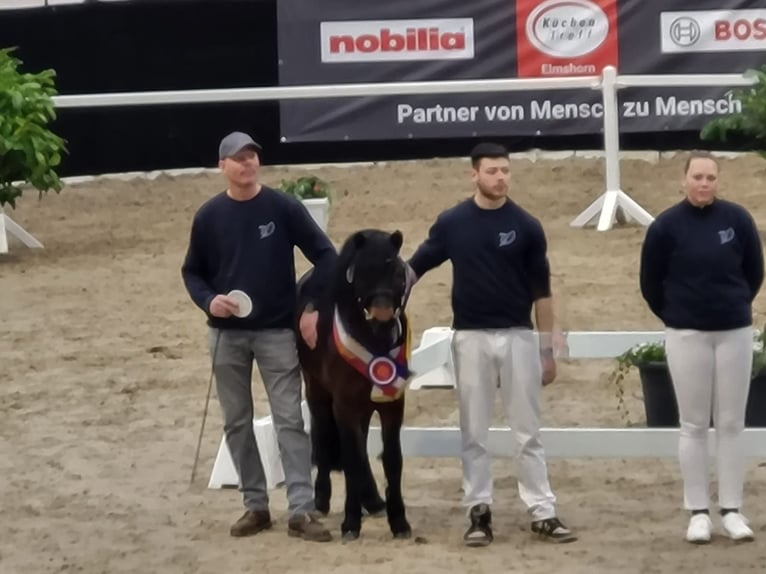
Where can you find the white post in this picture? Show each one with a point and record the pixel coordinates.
(8, 225)
(606, 206)
(319, 209)
(3, 236)
(611, 147)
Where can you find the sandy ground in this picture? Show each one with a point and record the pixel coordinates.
(104, 371)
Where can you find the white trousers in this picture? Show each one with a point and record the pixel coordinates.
(711, 375)
(509, 358)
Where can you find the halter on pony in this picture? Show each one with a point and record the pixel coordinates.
(388, 373)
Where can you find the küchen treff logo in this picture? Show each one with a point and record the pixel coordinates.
(565, 37)
(567, 28)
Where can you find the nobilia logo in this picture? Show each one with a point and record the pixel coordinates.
(567, 28)
(413, 40)
(391, 40)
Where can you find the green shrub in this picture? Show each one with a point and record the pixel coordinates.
(750, 123)
(29, 151)
(307, 187)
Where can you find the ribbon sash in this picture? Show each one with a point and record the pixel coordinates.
(387, 373)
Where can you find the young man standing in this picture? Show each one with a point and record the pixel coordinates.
(242, 239)
(500, 271)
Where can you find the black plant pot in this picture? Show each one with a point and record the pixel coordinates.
(659, 396)
(662, 408)
(755, 415)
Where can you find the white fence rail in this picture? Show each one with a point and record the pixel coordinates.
(433, 365)
(604, 208)
(432, 360)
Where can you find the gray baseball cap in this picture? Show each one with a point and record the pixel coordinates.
(234, 142)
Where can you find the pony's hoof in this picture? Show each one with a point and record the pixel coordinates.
(375, 510)
(403, 535)
(323, 509)
(350, 535)
(322, 502)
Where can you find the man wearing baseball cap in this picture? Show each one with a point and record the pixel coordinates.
(236, 142)
(242, 240)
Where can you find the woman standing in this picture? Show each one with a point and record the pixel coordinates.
(701, 268)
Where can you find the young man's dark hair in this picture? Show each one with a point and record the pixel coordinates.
(487, 149)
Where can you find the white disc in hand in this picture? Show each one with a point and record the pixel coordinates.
(243, 301)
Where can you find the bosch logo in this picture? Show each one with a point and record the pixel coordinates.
(685, 31)
(713, 30)
(741, 29)
(567, 28)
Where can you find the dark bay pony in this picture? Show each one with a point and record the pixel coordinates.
(358, 367)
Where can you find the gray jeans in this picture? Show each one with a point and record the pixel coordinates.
(275, 355)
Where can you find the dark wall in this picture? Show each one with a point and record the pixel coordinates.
(184, 44)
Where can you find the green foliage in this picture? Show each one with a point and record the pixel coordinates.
(29, 152)
(759, 353)
(636, 356)
(307, 187)
(750, 123)
(646, 353)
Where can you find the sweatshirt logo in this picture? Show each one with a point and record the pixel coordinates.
(507, 237)
(726, 235)
(267, 229)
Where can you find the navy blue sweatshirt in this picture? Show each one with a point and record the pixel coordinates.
(499, 263)
(701, 267)
(248, 245)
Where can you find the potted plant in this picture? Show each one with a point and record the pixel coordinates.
(656, 384)
(29, 151)
(314, 193)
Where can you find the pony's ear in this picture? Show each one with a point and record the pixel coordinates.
(359, 239)
(397, 239)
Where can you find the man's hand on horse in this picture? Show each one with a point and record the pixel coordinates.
(411, 277)
(308, 327)
(549, 366)
(223, 306)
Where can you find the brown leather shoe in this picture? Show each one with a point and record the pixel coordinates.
(308, 527)
(251, 522)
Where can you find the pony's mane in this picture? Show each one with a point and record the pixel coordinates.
(347, 255)
(341, 295)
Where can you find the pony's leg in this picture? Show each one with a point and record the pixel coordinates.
(371, 499)
(325, 444)
(323, 435)
(391, 418)
(353, 469)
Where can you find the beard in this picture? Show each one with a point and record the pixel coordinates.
(492, 192)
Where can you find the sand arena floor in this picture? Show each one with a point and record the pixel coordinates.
(104, 370)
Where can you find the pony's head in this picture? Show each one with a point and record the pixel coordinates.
(372, 273)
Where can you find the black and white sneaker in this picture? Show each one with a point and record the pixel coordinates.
(480, 531)
(553, 530)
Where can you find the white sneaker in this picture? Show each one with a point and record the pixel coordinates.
(700, 529)
(735, 525)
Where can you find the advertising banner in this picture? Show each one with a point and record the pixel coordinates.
(343, 41)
